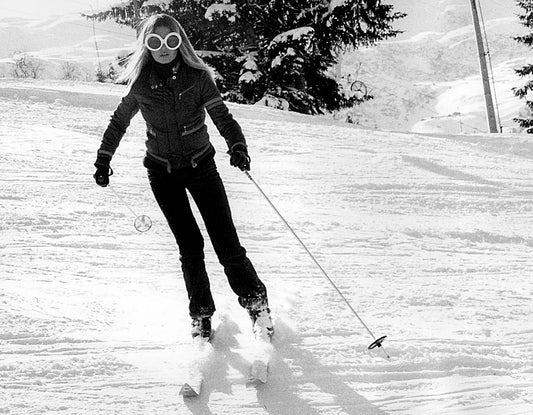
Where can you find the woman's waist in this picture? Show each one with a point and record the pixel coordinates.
(181, 142)
(178, 160)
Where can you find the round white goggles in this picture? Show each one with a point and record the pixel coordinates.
(154, 42)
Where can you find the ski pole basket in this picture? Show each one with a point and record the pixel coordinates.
(377, 343)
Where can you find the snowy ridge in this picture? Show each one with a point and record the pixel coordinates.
(429, 236)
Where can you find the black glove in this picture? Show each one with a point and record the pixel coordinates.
(103, 171)
(239, 156)
(102, 176)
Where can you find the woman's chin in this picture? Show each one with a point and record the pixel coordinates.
(164, 58)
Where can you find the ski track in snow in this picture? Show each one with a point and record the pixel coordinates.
(429, 237)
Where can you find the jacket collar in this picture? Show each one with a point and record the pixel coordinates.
(156, 82)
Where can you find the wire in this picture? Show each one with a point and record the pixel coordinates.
(96, 46)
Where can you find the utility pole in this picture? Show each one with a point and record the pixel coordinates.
(96, 44)
(491, 116)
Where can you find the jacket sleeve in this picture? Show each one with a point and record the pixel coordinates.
(219, 113)
(120, 120)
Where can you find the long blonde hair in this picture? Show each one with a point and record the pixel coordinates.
(142, 55)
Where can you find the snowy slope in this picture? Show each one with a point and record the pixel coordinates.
(58, 39)
(427, 79)
(428, 236)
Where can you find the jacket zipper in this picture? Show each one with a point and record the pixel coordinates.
(181, 93)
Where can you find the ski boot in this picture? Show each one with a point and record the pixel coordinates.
(201, 328)
(261, 320)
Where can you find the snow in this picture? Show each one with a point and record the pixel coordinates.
(273, 102)
(162, 3)
(277, 61)
(294, 34)
(222, 9)
(428, 236)
(250, 71)
(427, 233)
(52, 41)
(247, 77)
(437, 56)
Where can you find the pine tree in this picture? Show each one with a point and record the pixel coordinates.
(277, 48)
(526, 91)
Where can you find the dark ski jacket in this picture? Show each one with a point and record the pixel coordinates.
(175, 117)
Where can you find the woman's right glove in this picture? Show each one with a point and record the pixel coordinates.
(103, 171)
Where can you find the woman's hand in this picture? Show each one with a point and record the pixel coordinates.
(103, 171)
(102, 175)
(239, 156)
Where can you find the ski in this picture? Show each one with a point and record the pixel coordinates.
(260, 361)
(192, 387)
(263, 331)
(259, 371)
(192, 384)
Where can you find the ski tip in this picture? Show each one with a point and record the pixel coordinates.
(187, 391)
(257, 380)
(258, 373)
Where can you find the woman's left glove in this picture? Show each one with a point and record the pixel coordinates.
(239, 156)
(101, 176)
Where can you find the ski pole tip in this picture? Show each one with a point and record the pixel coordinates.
(378, 343)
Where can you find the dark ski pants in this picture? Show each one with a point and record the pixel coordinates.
(207, 190)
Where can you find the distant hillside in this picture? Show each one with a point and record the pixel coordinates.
(446, 15)
(425, 80)
(430, 82)
(56, 40)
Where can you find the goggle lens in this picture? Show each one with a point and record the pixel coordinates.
(154, 42)
(173, 41)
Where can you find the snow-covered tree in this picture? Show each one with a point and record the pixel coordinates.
(276, 48)
(526, 72)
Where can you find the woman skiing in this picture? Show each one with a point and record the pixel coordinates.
(172, 87)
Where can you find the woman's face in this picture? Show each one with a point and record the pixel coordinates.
(163, 55)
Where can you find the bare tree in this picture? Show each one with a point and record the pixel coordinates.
(69, 71)
(26, 66)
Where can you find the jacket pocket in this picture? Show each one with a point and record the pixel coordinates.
(192, 127)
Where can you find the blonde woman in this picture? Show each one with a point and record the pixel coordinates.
(172, 87)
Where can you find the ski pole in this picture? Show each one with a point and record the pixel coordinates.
(142, 223)
(377, 341)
